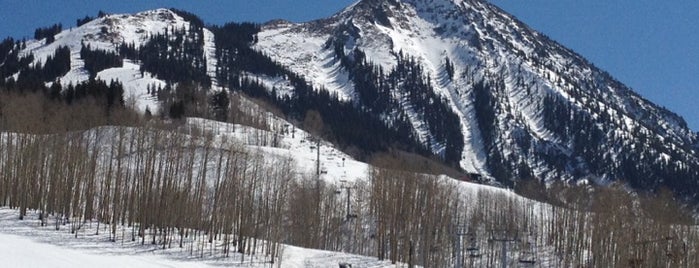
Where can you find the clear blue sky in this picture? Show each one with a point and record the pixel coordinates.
(649, 45)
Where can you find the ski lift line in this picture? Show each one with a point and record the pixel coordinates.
(459, 231)
(527, 258)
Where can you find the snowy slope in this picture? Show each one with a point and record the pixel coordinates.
(24, 244)
(21, 241)
(135, 85)
(523, 69)
(294, 143)
(104, 33)
(21, 251)
(107, 33)
(63, 248)
(309, 58)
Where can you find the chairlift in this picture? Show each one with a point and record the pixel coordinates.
(474, 253)
(527, 258)
(473, 250)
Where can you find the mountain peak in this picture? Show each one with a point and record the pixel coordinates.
(525, 103)
(373, 11)
(130, 28)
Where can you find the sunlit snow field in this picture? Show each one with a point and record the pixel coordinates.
(27, 244)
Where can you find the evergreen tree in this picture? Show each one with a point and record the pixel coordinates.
(219, 103)
(98, 60)
(81, 22)
(48, 33)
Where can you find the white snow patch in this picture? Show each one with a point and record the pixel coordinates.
(135, 85)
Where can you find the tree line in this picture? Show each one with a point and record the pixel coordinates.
(44, 77)
(48, 32)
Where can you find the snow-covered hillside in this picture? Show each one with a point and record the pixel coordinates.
(551, 108)
(335, 165)
(535, 232)
(107, 33)
(135, 85)
(174, 183)
(62, 245)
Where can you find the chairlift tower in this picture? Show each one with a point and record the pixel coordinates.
(474, 252)
(459, 233)
(348, 215)
(346, 186)
(503, 237)
(318, 157)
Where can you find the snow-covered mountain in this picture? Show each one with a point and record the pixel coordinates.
(527, 106)
(108, 33)
(466, 80)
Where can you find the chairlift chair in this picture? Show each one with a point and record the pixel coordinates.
(474, 253)
(527, 257)
(473, 250)
(527, 261)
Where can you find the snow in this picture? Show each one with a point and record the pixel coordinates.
(77, 71)
(118, 28)
(482, 42)
(380, 45)
(87, 249)
(21, 251)
(135, 85)
(136, 29)
(281, 84)
(210, 56)
(304, 52)
(107, 33)
(61, 248)
(335, 165)
(310, 58)
(26, 244)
